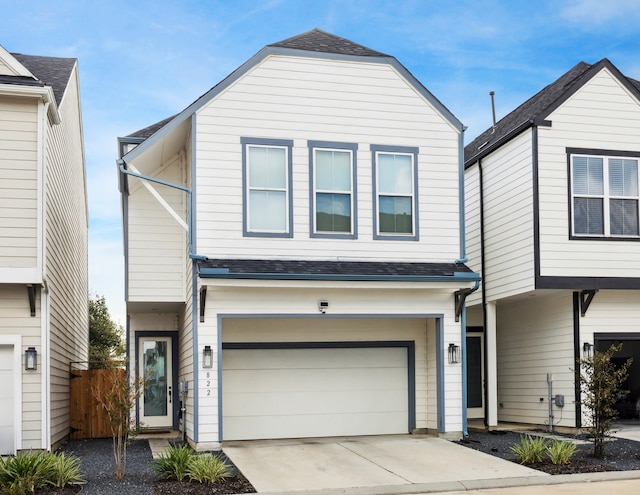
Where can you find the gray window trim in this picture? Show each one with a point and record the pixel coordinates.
(313, 145)
(288, 143)
(416, 219)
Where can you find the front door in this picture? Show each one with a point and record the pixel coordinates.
(156, 402)
(475, 376)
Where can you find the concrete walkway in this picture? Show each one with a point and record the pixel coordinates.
(387, 464)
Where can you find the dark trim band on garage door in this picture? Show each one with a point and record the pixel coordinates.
(408, 344)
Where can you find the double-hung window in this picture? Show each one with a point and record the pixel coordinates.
(332, 189)
(604, 190)
(395, 192)
(267, 187)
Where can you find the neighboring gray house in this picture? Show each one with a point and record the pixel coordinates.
(294, 252)
(43, 247)
(552, 198)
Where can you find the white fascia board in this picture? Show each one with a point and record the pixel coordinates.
(44, 92)
(16, 67)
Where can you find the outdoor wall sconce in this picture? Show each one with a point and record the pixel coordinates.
(587, 350)
(31, 359)
(207, 357)
(454, 353)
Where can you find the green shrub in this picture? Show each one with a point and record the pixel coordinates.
(65, 471)
(530, 449)
(207, 469)
(174, 464)
(560, 451)
(26, 472)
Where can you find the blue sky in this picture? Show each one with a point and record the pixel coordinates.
(142, 61)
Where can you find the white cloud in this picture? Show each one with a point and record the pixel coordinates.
(598, 12)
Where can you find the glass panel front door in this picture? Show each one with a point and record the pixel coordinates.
(154, 363)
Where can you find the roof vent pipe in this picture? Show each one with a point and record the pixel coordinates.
(493, 110)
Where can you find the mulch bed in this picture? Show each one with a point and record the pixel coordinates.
(620, 454)
(225, 487)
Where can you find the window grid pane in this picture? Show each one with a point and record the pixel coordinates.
(333, 191)
(605, 188)
(395, 183)
(267, 208)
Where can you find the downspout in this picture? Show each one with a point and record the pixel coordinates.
(463, 249)
(192, 255)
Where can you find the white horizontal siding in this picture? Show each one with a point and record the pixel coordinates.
(16, 319)
(157, 243)
(66, 253)
(314, 99)
(508, 216)
(472, 226)
(601, 115)
(19, 184)
(535, 337)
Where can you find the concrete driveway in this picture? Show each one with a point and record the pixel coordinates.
(375, 461)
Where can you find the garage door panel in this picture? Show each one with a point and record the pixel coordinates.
(266, 427)
(283, 380)
(7, 426)
(312, 358)
(303, 392)
(347, 401)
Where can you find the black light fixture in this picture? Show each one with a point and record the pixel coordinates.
(207, 357)
(454, 353)
(31, 359)
(587, 350)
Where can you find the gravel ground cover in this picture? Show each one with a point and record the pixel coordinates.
(98, 467)
(620, 454)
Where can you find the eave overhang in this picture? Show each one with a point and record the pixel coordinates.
(30, 91)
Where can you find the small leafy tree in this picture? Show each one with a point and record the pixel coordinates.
(105, 336)
(118, 397)
(601, 382)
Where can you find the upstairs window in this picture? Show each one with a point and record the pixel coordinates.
(333, 189)
(267, 190)
(395, 201)
(604, 196)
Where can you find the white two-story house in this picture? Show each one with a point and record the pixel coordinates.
(43, 248)
(552, 223)
(294, 252)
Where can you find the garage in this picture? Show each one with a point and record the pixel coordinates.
(294, 390)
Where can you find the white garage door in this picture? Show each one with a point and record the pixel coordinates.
(314, 392)
(7, 399)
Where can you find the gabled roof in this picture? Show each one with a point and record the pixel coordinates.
(50, 71)
(316, 42)
(538, 107)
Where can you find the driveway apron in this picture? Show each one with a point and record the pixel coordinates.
(315, 464)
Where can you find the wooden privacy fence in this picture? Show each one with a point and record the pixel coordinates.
(89, 418)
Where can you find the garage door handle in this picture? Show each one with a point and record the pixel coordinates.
(169, 395)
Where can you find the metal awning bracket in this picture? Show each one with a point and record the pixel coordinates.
(586, 296)
(460, 297)
(203, 301)
(32, 298)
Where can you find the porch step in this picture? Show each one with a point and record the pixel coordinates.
(158, 446)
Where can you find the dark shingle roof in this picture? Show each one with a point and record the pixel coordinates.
(52, 71)
(347, 269)
(148, 131)
(534, 108)
(317, 40)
